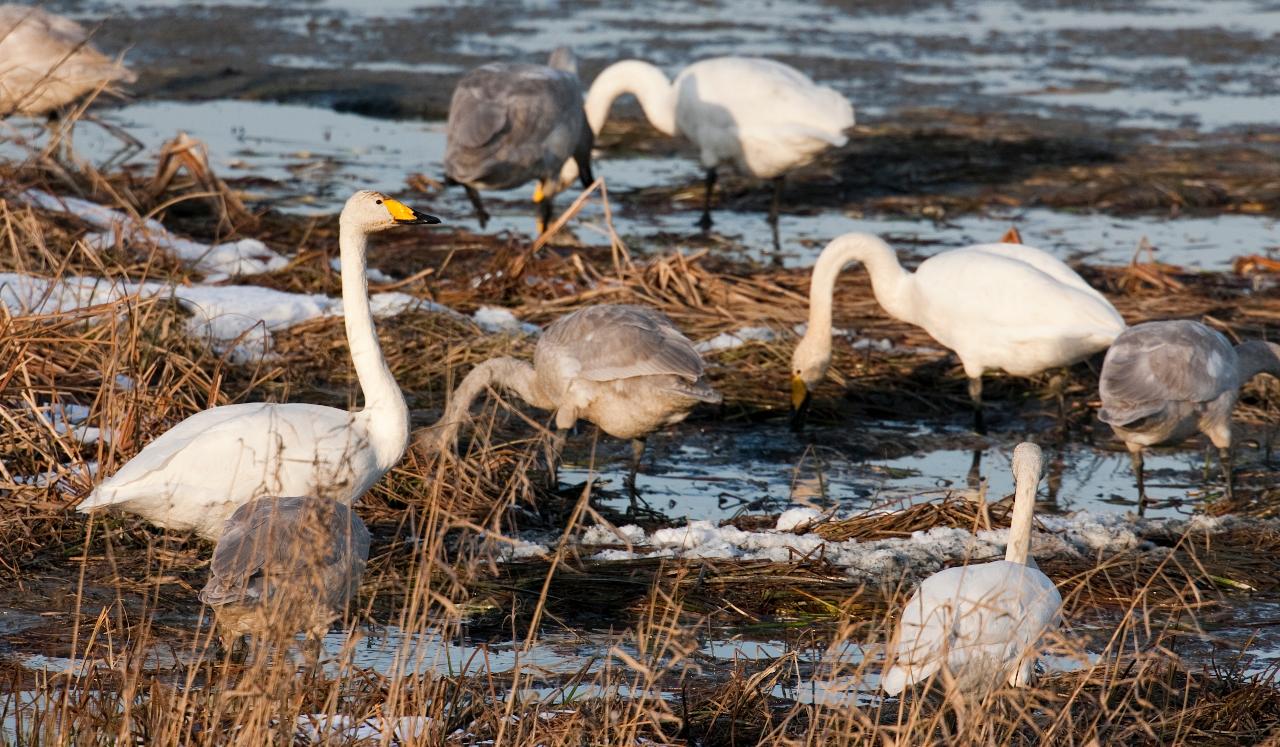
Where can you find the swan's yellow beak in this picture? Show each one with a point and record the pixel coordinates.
(404, 215)
(799, 392)
(538, 194)
(799, 403)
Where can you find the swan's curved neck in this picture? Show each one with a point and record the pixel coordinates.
(1024, 509)
(646, 82)
(889, 282)
(386, 414)
(511, 374)
(1257, 357)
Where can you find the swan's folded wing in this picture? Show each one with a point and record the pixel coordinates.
(606, 343)
(504, 118)
(201, 458)
(1166, 361)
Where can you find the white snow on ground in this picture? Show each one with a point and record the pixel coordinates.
(794, 519)
(217, 261)
(1084, 534)
(498, 319)
(736, 338)
(219, 312)
(325, 728)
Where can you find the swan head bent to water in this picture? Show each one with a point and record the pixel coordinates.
(371, 212)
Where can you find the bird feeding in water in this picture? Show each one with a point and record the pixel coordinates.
(627, 369)
(757, 116)
(511, 123)
(194, 475)
(284, 566)
(997, 306)
(1163, 382)
(980, 624)
(47, 62)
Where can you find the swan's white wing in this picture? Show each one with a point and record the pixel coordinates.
(1009, 313)
(760, 94)
(197, 472)
(606, 343)
(972, 618)
(1155, 363)
(45, 61)
(762, 115)
(1039, 259)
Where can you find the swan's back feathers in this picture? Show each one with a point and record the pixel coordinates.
(981, 621)
(196, 473)
(46, 61)
(312, 547)
(509, 123)
(1009, 313)
(1152, 364)
(611, 342)
(741, 84)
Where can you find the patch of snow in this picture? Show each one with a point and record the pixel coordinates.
(217, 261)
(599, 534)
(221, 313)
(498, 319)
(882, 345)
(736, 338)
(372, 273)
(518, 549)
(925, 552)
(326, 728)
(795, 519)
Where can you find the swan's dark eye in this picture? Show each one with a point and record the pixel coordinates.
(379, 202)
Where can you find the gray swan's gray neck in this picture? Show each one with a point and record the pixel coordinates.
(1256, 357)
(510, 374)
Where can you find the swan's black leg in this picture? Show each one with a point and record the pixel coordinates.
(975, 396)
(637, 453)
(481, 214)
(709, 186)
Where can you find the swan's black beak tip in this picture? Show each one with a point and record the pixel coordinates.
(799, 414)
(420, 219)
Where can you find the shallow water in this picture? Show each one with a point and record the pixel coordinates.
(1163, 63)
(730, 471)
(316, 157)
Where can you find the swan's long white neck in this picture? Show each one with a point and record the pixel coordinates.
(646, 82)
(511, 374)
(385, 414)
(889, 282)
(1257, 356)
(1024, 508)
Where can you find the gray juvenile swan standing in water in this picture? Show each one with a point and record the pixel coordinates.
(510, 123)
(46, 62)
(285, 565)
(1164, 381)
(625, 368)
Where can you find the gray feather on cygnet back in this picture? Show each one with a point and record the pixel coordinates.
(619, 342)
(292, 551)
(509, 123)
(1150, 365)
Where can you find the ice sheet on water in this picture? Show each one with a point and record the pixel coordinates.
(736, 338)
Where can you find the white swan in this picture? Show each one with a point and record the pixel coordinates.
(980, 623)
(195, 474)
(761, 117)
(46, 62)
(625, 368)
(1164, 381)
(998, 306)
